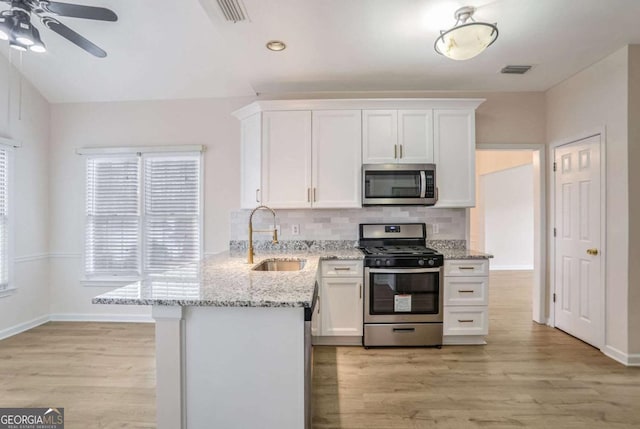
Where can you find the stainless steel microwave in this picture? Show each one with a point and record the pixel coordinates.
(399, 184)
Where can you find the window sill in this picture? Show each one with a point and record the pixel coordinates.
(7, 292)
(108, 282)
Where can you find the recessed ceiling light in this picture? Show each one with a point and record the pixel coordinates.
(276, 45)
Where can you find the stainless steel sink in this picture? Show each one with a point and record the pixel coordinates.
(280, 265)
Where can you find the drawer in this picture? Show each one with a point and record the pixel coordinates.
(461, 320)
(466, 267)
(466, 291)
(342, 268)
(404, 334)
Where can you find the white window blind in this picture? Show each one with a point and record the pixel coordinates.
(113, 217)
(4, 220)
(171, 212)
(143, 214)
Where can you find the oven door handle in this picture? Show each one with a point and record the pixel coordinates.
(403, 270)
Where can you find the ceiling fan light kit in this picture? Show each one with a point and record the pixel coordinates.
(467, 38)
(16, 27)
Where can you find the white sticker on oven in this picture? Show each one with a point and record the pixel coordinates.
(402, 303)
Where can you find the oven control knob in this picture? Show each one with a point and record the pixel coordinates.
(378, 262)
(431, 262)
(387, 262)
(420, 262)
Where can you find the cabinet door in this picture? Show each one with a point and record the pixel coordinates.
(286, 159)
(341, 307)
(336, 154)
(250, 161)
(415, 136)
(455, 157)
(379, 136)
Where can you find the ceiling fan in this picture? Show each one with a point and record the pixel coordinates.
(16, 27)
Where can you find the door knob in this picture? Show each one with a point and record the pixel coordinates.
(592, 252)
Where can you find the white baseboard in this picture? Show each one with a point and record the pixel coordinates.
(17, 329)
(121, 318)
(511, 267)
(622, 357)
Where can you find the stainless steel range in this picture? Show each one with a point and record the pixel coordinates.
(403, 286)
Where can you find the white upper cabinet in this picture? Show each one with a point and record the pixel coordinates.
(336, 167)
(300, 159)
(455, 157)
(397, 136)
(286, 159)
(415, 136)
(380, 136)
(250, 159)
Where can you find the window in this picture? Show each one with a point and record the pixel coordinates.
(143, 214)
(4, 221)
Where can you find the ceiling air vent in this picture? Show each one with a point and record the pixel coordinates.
(232, 10)
(515, 69)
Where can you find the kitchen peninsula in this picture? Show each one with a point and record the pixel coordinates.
(230, 341)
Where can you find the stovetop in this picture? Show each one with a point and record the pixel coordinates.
(400, 245)
(398, 250)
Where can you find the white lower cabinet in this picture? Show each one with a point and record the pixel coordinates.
(338, 317)
(466, 300)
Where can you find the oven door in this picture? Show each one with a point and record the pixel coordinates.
(403, 295)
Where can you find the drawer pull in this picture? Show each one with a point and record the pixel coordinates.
(464, 291)
(342, 268)
(467, 268)
(404, 329)
(465, 320)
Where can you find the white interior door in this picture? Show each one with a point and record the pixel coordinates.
(579, 302)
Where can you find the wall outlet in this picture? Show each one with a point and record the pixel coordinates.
(295, 229)
(435, 228)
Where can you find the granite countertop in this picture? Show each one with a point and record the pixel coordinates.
(463, 254)
(226, 280)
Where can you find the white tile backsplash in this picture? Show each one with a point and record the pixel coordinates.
(342, 224)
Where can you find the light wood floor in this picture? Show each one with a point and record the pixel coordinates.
(527, 376)
(102, 374)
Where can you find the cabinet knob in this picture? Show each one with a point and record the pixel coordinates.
(592, 252)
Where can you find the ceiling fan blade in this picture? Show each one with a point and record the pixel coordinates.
(58, 27)
(79, 11)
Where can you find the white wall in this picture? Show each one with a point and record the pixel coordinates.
(27, 121)
(73, 126)
(489, 161)
(596, 97)
(508, 217)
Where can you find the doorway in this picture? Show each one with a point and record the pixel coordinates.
(509, 218)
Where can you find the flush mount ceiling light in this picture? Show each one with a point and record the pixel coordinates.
(467, 38)
(276, 45)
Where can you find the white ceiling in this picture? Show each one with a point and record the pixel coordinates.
(165, 49)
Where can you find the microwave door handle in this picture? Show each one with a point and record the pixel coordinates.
(423, 184)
